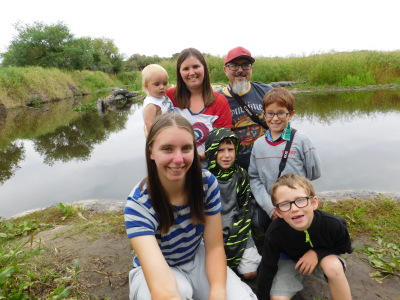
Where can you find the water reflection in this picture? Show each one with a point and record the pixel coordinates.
(326, 108)
(10, 158)
(54, 154)
(75, 141)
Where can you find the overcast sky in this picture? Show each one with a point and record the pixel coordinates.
(266, 28)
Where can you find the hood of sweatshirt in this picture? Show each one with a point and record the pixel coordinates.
(214, 138)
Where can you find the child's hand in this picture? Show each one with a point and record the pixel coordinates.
(307, 262)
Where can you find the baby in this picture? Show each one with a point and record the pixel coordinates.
(155, 83)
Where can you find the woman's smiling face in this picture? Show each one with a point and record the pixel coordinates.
(173, 154)
(192, 72)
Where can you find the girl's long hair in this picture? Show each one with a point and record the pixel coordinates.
(193, 182)
(181, 92)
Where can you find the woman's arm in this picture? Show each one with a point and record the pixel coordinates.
(159, 277)
(215, 256)
(223, 111)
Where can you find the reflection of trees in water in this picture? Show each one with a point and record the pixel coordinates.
(76, 140)
(3, 114)
(344, 106)
(9, 159)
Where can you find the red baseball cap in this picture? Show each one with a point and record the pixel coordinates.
(239, 52)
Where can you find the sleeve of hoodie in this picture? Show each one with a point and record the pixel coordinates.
(312, 162)
(335, 230)
(243, 191)
(257, 187)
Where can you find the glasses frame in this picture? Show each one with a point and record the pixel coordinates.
(277, 114)
(235, 67)
(293, 202)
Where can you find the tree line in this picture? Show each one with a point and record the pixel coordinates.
(54, 46)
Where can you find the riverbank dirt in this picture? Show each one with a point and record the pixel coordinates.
(106, 260)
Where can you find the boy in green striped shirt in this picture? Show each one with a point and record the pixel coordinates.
(222, 146)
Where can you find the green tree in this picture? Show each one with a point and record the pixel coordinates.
(38, 45)
(137, 62)
(78, 55)
(54, 46)
(106, 56)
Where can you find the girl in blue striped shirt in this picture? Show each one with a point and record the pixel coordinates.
(173, 221)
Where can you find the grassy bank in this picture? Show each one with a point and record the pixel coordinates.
(32, 85)
(345, 69)
(29, 268)
(21, 86)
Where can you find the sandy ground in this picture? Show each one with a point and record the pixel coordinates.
(105, 262)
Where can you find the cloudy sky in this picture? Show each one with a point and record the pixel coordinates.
(266, 28)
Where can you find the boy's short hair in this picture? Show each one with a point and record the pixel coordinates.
(292, 181)
(150, 70)
(280, 96)
(229, 140)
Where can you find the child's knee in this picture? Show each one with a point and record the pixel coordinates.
(332, 266)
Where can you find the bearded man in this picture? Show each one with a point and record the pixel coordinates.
(238, 67)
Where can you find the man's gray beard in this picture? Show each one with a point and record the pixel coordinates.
(240, 87)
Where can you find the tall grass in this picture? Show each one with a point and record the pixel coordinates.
(19, 85)
(22, 85)
(336, 69)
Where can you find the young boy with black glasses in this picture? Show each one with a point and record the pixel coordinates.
(302, 241)
(267, 154)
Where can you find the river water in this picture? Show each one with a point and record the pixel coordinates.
(53, 154)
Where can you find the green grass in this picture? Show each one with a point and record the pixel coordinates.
(19, 86)
(25, 275)
(378, 221)
(31, 85)
(376, 218)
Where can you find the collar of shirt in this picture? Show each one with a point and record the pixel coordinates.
(285, 135)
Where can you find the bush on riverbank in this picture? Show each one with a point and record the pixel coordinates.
(20, 86)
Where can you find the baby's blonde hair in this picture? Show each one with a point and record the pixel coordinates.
(150, 70)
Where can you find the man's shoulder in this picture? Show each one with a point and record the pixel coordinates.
(261, 85)
(224, 91)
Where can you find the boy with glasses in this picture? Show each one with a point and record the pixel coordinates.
(238, 67)
(302, 241)
(266, 156)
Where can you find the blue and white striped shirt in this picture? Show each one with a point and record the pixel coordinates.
(181, 242)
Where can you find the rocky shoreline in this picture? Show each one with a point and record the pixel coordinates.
(107, 205)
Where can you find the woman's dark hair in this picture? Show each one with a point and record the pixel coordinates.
(181, 92)
(193, 181)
